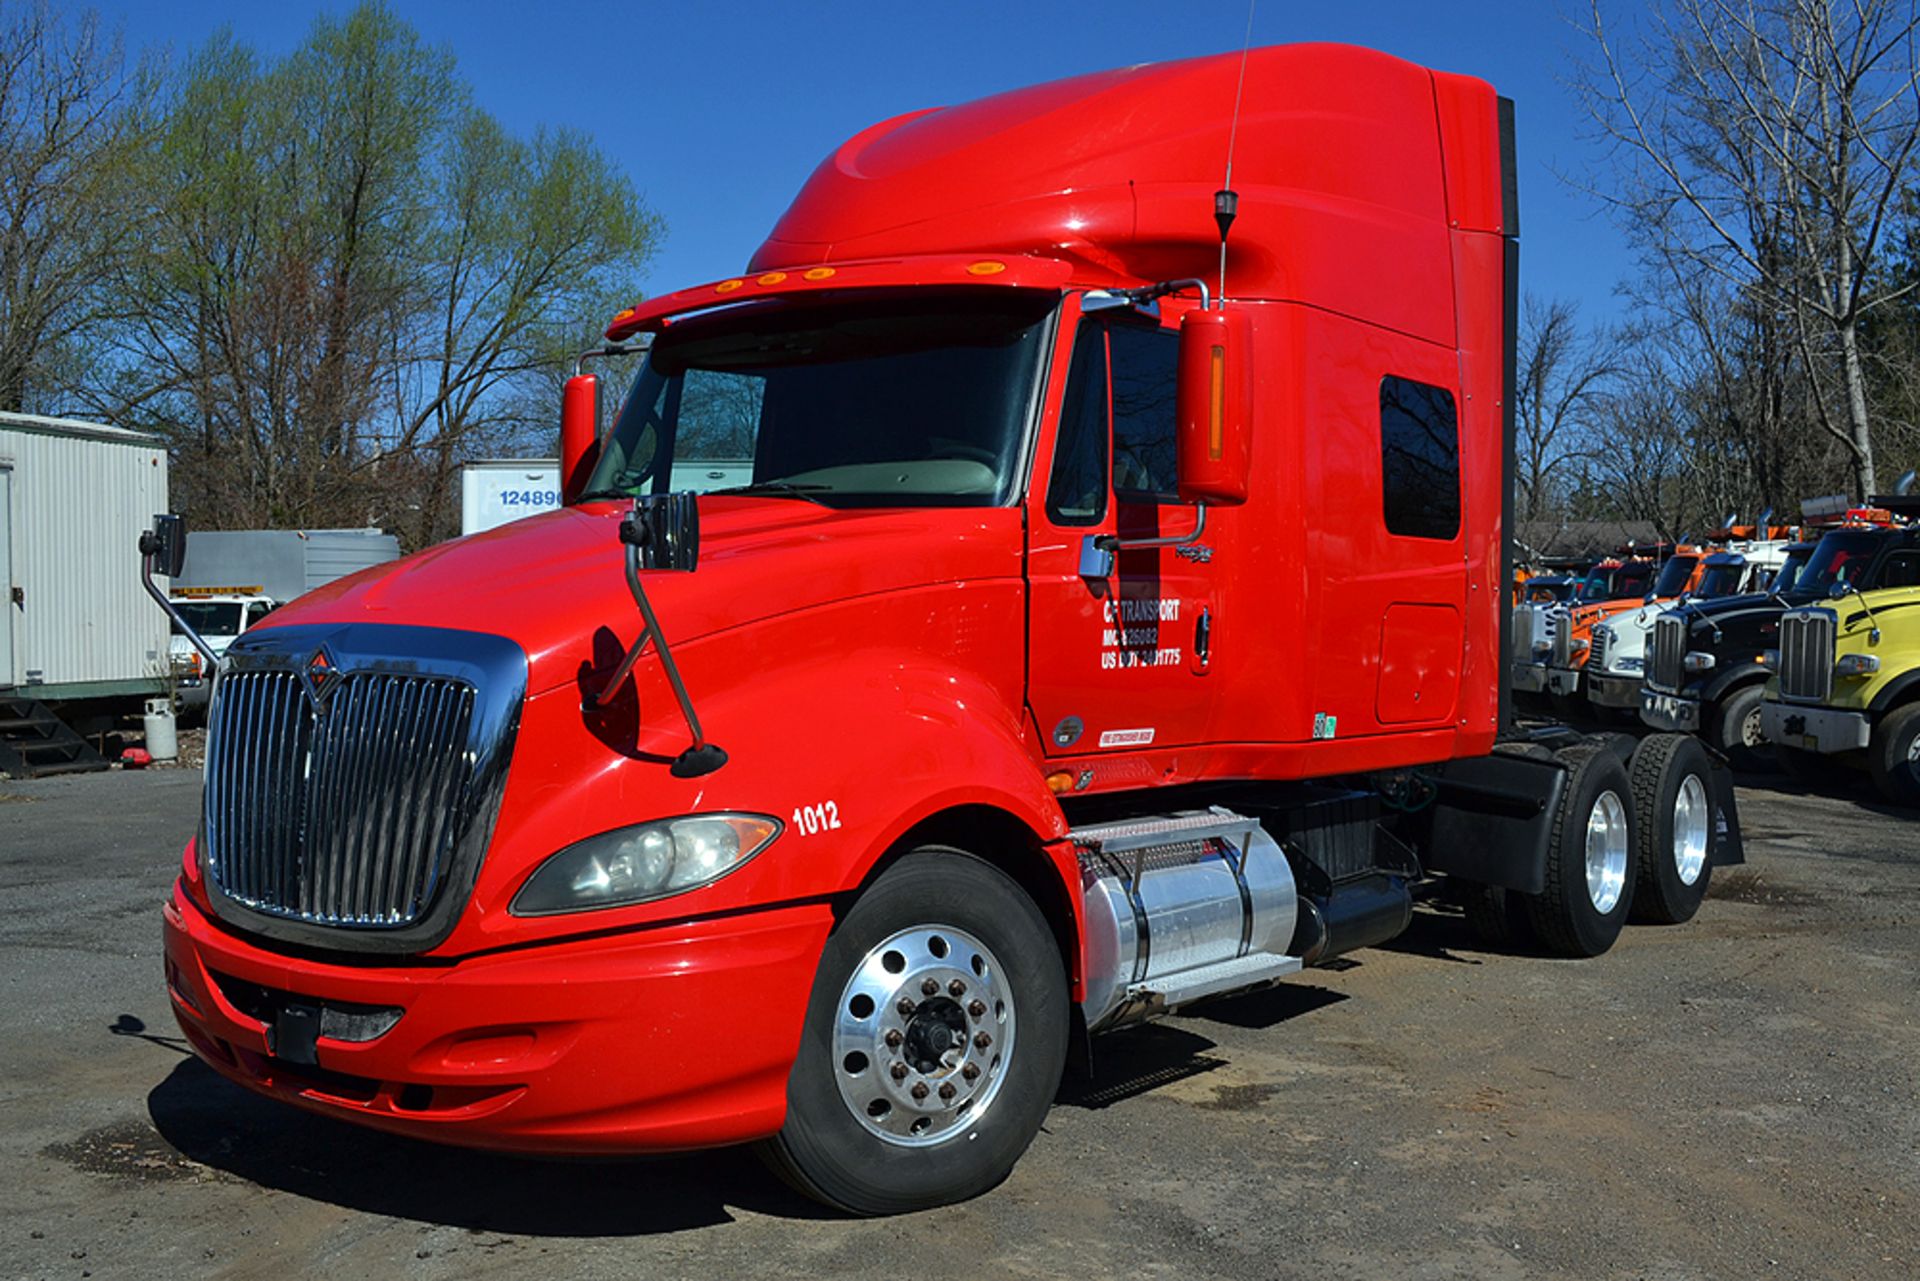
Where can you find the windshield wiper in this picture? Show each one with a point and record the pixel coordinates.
(778, 489)
(610, 492)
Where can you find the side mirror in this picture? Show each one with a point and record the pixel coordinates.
(666, 529)
(579, 434)
(1215, 406)
(166, 543)
(1838, 590)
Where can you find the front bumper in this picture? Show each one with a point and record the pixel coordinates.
(1564, 681)
(1529, 678)
(1614, 691)
(1825, 730)
(1675, 713)
(674, 1037)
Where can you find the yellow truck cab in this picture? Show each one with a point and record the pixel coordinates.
(1845, 689)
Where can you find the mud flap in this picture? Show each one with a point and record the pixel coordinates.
(1728, 850)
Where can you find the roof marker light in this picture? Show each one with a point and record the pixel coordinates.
(728, 286)
(771, 278)
(986, 268)
(817, 273)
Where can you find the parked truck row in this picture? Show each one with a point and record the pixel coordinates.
(1798, 653)
(1115, 615)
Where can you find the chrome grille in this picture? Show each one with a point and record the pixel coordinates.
(1806, 655)
(1669, 652)
(352, 778)
(1602, 639)
(1560, 632)
(341, 819)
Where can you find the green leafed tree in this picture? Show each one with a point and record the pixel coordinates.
(353, 279)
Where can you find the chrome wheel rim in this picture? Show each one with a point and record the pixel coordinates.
(1606, 852)
(1751, 735)
(922, 1035)
(1690, 816)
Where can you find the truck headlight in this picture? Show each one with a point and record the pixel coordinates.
(648, 861)
(1696, 662)
(1770, 658)
(1856, 665)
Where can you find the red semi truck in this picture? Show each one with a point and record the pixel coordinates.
(1114, 619)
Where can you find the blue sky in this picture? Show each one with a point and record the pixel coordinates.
(718, 111)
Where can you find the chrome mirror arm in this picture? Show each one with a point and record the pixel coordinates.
(1097, 550)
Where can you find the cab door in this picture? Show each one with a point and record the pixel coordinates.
(1118, 661)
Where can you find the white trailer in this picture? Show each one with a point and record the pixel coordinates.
(494, 491)
(74, 498)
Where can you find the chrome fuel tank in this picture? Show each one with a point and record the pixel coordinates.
(1184, 893)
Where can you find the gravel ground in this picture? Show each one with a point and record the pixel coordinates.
(1733, 1098)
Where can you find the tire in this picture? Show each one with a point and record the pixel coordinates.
(1592, 827)
(1497, 917)
(1894, 755)
(1673, 799)
(1735, 731)
(1814, 769)
(855, 1137)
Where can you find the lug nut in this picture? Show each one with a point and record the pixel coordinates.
(977, 1008)
(929, 987)
(905, 1007)
(970, 1070)
(899, 1071)
(981, 1040)
(919, 1090)
(946, 1089)
(956, 988)
(894, 1038)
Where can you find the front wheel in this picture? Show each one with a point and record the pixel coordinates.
(934, 1041)
(1894, 756)
(1736, 731)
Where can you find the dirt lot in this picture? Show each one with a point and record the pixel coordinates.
(1733, 1098)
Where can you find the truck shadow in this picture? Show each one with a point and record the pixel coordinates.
(209, 1120)
(1140, 1060)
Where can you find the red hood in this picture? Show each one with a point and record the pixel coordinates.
(550, 582)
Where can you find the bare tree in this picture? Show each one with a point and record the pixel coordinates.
(72, 118)
(1561, 374)
(1805, 112)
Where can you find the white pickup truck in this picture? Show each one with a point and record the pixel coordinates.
(219, 614)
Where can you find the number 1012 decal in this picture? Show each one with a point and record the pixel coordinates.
(811, 820)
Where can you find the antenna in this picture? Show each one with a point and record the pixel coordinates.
(1226, 201)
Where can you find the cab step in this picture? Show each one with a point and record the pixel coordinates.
(1210, 980)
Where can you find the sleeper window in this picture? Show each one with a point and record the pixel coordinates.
(1419, 459)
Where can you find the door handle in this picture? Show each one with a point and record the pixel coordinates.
(1203, 636)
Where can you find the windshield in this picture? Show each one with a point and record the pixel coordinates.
(1789, 571)
(918, 401)
(1721, 580)
(1673, 576)
(1598, 584)
(1842, 556)
(209, 618)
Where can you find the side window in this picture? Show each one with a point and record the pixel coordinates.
(1077, 490)
(1419, 459)
(1145, 369)
(1903, 570)
(257, 610)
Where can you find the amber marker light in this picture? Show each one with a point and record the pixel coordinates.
(987, 267)
(1059, 781)
(817, 273)
(771, 278)
(728, 286)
